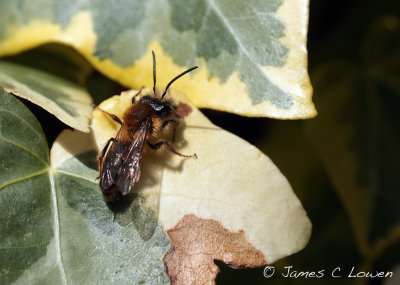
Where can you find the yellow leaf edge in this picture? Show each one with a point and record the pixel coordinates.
(202, 90)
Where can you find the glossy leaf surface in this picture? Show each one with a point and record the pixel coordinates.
(252, 55)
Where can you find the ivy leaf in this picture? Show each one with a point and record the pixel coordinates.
(357, 136)
(55, 226)
(252, 55)
(59, 60)
(67, 101)
(230, 204)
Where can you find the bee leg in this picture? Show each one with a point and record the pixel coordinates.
(102, 154)
(170, 146)
(170, 121)
(114, 117)
(137, 94)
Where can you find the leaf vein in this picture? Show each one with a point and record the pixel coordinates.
(224, 19)
(75, 175)
(23, 178)
(25, 149)
(45, 273)
(57, 228)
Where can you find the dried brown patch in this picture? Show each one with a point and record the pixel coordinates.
(183, 110)
(196, 243)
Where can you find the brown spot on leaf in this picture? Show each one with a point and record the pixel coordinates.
(183, 110)
(196, 243)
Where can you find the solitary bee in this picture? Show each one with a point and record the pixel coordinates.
(121, 158)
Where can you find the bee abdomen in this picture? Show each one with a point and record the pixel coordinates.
(112, 194)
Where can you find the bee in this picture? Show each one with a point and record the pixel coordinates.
(121, 158)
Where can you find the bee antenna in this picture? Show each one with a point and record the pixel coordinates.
(173, 80)
(154, 72)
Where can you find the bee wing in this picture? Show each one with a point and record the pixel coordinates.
(113, 160)
(130, 170)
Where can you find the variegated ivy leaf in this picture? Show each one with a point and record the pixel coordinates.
(55, 226)
(231, 203)
(67, 101)
(252, 54)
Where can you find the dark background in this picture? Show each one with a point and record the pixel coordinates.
(354, 65)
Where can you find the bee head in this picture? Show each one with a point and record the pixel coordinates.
(163, 108)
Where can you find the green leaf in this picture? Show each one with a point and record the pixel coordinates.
(55, 226)
(251, 54)
(59, 60)
(67, 101)
(357, 135)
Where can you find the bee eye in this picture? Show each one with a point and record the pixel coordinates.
(156, 106)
